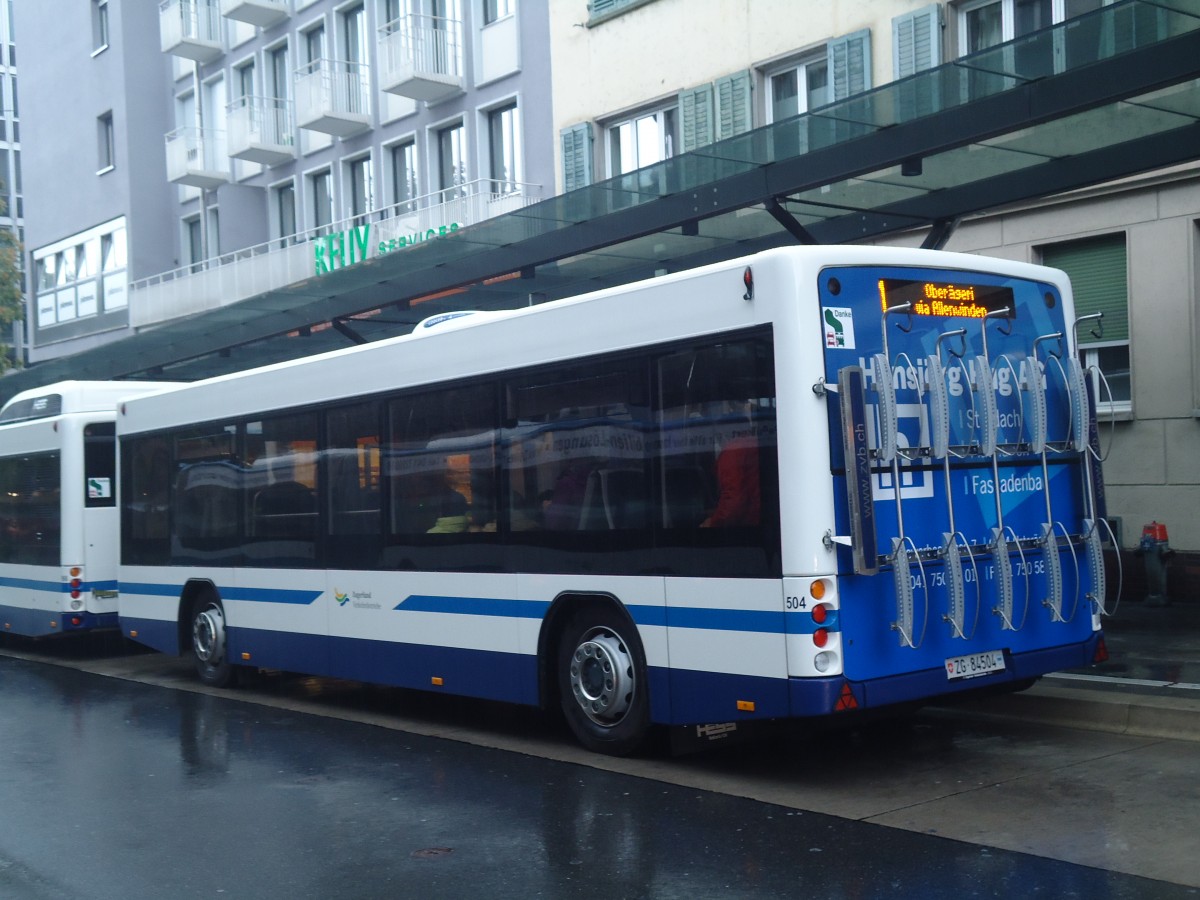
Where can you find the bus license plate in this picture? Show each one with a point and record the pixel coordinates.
(975, 664)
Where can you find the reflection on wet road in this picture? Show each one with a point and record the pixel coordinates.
(111, 788)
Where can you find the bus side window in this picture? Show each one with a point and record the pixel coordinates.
(281, 484)
(145, 495)
(353, 478)
(439, 468)
(717, 420)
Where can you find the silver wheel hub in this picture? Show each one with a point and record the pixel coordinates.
(208, 635)
(602, 677)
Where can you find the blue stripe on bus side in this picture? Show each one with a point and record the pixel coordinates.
(675, 617)
(474, 606)
(756, 621)
(253, 595)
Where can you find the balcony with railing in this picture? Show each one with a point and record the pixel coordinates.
(263, 13)
(233, 277)
(197, 157)
(421, 57)
(334, 97)
(261, 130)
(191, 29)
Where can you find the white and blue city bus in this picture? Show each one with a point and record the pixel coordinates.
(58, 512)
(812, 480)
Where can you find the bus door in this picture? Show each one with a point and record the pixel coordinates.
(960, 443)
(95, 545)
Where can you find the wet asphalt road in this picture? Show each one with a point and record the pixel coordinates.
(115, 789)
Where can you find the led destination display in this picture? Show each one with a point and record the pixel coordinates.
(940, 299)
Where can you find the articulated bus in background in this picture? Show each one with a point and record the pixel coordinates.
(58, 512)
(813, 480)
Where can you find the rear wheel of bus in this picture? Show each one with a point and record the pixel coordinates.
(602, 681)
(209, 643)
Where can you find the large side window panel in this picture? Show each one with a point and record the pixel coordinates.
(718, 459)
(353, 479)
(30, 511)
(207, 479)
(440, 471)
(577, 471)
(280, 490)
(145, 495)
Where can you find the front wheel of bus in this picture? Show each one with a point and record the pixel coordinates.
(602, 682)
(209, 645)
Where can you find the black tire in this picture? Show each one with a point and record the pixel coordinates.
(210, 646)
(602, 682)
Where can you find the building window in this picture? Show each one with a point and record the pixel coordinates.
(243, 81)
(1098, 269)
(452, 160)
(986, 23)
(599, 10)
(99, 24)
(106, 143)
(354, 34)
(314, 44)
(195, 242)
(797, 88)
(497, 9)
(362, 186)
(404, 176)
(642, 140)
(504, 150)
(277, 72)
(285, 212)
(321, 208)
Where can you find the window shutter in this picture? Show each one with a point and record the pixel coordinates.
(733, 104)
(577, 156)
(1097, 268)
(696, 114)
(850, 64)
(916, 41)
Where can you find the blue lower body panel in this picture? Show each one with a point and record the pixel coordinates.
(154, 633)
(42, 623)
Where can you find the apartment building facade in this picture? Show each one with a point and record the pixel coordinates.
(230, 133)
(649, 79)
(12, 199)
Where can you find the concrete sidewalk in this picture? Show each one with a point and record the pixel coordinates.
(1150, 685)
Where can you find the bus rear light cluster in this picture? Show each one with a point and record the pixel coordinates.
(822, 612)
(76, 582)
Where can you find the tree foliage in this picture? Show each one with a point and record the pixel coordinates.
(11, 308)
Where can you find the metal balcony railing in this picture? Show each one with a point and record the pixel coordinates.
(261, 130)
(333, 96)
(191, 28)
(421, 57)
(197, 157)
(241, 274)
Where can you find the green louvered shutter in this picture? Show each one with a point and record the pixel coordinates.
(577, 156)
(1098, 269)
(733, 104)
(916, 41)
(696, 117)
(850, 64)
